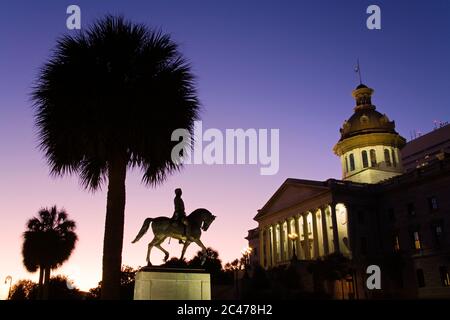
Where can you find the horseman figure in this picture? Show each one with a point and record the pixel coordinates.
(181, 226)
(179, 215)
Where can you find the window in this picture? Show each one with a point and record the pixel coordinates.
(433, 203)
(391, 214)
(352, 162)
(445, 276)
(420, 278)
(396, 243)
(363, 244)
(361, 217)
(394, 158)
(373, 158)
(346, 164)
(411, 209)
(365, 159)
(417, 240)
(387, 158)
(437, 231)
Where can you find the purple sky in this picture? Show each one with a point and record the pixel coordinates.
(260, 64)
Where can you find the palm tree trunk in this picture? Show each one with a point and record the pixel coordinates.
(114, 224)
(41, 280)
(46, 282)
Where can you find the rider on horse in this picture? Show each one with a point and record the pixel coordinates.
(179, 216)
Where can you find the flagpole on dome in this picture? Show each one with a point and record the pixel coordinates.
(358, 70)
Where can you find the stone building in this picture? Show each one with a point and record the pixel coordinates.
(377, 214)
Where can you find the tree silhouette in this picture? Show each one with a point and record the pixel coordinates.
(127, 279)
(23, 290)
(175, 262)
(48, 242)
(109, 99)
(28, 290)
(331, 268)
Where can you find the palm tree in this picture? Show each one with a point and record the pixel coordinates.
(109, 99)
(48, 242)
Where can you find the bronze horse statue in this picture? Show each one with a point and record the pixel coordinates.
(164, 227)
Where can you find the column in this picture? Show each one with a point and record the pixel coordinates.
(298, 245)
(335, 228)
(268, 251)
(326, 248)
(306, 237)
(351, 229)
(261, 247)
(315, 235)
(282, 240)
(274, 245)
(289, 241)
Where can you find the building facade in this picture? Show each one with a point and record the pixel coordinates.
(426, 148)
(377, 214)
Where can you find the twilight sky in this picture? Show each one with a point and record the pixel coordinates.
(260, 64)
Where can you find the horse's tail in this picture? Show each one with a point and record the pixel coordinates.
(143, 230)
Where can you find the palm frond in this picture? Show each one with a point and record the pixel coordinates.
(114, 88)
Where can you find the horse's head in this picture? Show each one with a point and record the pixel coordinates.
(208, 219)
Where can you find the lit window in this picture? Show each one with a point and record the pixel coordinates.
(387, 158)
(373, 158)
(352, 162)
(394, 158)
(417, 243)
(396, 243)
(365, 159)
(445, 276)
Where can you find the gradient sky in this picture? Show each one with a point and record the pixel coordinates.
(260, 64)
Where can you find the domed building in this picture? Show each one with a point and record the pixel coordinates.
(369, 147)
(378, 214)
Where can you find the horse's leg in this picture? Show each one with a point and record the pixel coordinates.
(186, 244)
(201, 245)
(166, 253)
(149, 250)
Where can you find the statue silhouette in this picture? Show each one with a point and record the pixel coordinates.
(179, 215)
(163, 227)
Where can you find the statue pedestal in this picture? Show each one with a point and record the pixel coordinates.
(157, 283)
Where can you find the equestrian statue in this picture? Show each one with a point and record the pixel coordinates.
(185, 228)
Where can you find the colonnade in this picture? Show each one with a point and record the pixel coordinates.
(311, 234)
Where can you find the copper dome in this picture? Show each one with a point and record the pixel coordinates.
(366, 119)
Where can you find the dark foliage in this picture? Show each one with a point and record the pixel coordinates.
(49, 239)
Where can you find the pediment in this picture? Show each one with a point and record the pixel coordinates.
(292, 192)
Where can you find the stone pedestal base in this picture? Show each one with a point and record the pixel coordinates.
(155, 283)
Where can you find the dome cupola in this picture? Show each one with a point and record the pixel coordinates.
(369, 146)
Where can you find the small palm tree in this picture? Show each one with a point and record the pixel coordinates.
(109, 99)
(48, 242)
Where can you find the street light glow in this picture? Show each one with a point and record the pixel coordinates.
(293, 236)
